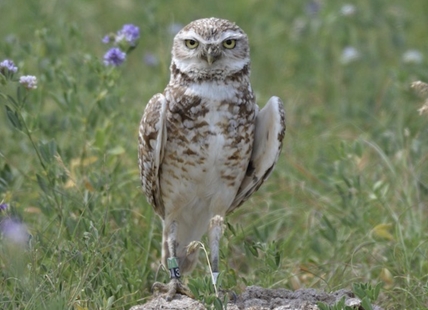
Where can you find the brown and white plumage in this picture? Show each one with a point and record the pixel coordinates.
(204, 146)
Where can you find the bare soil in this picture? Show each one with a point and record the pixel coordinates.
(258, 298)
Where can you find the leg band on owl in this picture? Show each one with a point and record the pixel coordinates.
(214, 277)
(174, 270)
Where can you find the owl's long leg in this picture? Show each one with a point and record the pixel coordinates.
(174, 286)
(214, 234)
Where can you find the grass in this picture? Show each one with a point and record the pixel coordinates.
(346, 204)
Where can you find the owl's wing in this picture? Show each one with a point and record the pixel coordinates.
(152, 139)
(269, 133)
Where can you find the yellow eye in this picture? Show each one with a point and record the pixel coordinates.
(229, 43)
(191, 43)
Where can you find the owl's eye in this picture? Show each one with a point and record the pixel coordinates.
(192, 44)
(229, 43)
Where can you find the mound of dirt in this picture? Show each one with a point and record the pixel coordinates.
(258, 298)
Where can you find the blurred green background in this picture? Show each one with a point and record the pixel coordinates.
(347, 202)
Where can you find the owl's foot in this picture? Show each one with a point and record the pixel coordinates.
(228, 295)
(169, 290)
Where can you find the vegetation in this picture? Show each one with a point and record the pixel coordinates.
(346, 204)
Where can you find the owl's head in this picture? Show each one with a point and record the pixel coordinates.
(211, 46)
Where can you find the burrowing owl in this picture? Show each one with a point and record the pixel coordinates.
(204, 146)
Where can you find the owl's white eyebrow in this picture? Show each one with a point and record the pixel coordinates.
(191, 35)
(231, 35)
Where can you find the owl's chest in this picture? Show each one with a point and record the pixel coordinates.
(208, 147)
(205, 115)
(212, 132)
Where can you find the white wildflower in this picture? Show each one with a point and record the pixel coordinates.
(348, 10)
(413, 57)
(349, 54)
(28, 81)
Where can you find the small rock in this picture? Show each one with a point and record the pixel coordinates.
(180, 302)
(353, 302)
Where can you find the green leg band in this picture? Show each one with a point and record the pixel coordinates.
(174, 270)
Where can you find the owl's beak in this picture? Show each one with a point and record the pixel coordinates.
(212, 55)
(210, 59)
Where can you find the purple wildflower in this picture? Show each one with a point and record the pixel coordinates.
(313, 7)
(28, 81)
(3, 207)
(129, 33)
(14, 231)
(8, 66)
(114, 57)
(106, 39)
(151, 60)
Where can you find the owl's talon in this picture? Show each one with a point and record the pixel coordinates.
(231, 295)
(159, 287)
(171, 289)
